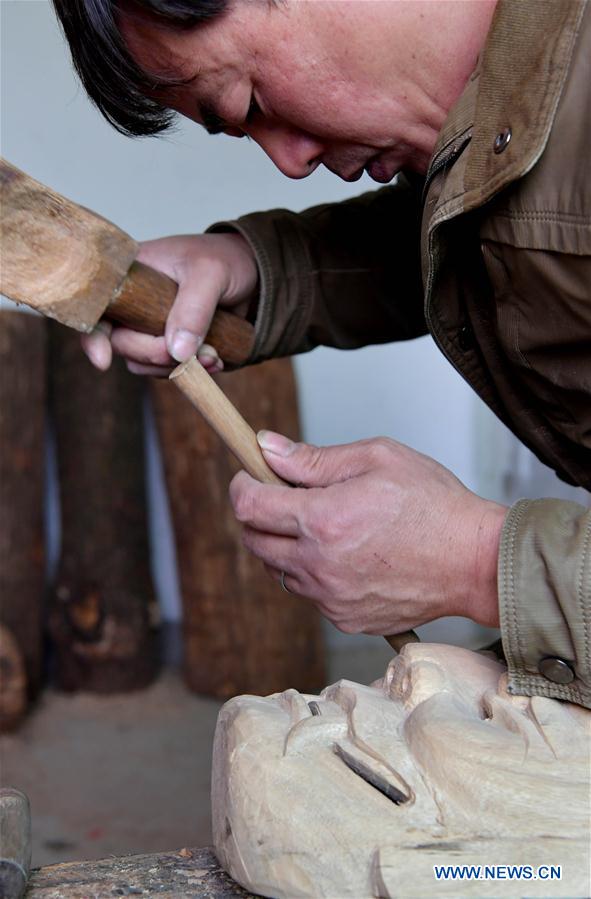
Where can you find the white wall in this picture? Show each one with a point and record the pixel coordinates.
(182, 183)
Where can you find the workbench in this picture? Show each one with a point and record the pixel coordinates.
(184, 874)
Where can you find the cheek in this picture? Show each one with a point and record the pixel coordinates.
(303, 104)
(325, 107)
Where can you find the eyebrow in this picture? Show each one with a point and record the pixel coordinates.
(212, 122)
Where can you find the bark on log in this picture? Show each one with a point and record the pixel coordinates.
(103, 610)
(242, 634)
(22, 555)
(13, 682)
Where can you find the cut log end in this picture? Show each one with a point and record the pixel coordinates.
(181, 369)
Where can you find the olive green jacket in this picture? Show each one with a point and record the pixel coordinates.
(492, 255)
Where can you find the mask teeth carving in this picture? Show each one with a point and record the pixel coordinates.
(370, 776)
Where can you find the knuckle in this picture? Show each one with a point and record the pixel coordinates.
(337, 614)
(332, 582)
(325, 530)
(315, 460)
(379, 450)
(246, 538)
(207, 270)
(241, 499)
(249, 540)
(324, 525)
(243, 508)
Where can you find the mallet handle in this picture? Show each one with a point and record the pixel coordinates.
(143, 302)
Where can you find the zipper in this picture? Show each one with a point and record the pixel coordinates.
(454, 148)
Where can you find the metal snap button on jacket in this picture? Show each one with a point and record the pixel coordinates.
(556, 670)
(502, 140)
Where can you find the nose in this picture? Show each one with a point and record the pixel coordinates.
(294, 152)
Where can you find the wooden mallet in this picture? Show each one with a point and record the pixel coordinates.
(76, 267)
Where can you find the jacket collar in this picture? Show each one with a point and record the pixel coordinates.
(516, 85)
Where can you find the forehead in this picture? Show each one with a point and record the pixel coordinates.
(184, 53)
(191, 67)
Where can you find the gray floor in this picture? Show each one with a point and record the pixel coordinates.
(129, 773)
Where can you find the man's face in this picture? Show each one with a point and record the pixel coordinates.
(306, 80)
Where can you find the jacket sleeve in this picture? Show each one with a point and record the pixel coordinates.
(342, 275)
(545, 599)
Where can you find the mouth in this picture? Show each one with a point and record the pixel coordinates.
(378, 170)
(355, 175)
(375, 167)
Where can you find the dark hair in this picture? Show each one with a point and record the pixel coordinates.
(113, 81)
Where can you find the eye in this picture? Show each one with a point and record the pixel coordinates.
(253, 110)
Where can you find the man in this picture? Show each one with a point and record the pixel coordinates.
(485, 241)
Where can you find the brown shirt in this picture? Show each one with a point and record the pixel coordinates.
(491, 254)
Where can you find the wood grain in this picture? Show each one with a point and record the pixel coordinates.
(242, 633)
(103, 607)
(22, 469)
(185, 874)
(58, 257)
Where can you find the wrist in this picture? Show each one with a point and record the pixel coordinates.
(482, 594)
(241, 266)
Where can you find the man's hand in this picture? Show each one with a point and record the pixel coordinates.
(382, 539)
(209, 269)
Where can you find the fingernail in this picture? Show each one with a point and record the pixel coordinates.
(99, 354)
(183, 344)
(99, 360)
(207, 353)
(275, 443)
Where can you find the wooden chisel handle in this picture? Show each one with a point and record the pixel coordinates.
(224, 418)
(143, 302)
(239, 437)
(397, 641)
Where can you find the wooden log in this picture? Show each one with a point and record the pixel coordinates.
(22, 471)
(13, 682)
(242, 634)
(103, 610)
(186, 874)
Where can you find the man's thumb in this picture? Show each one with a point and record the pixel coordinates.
(305, 465)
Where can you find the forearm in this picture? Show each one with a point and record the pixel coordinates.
(343, 275)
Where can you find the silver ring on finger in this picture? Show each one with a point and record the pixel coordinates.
(283, 584)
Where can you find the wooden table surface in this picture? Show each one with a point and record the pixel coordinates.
(186, 873)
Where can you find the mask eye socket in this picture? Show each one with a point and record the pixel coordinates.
(370, 776)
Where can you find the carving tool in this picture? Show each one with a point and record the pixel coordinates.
(75, 266)
(240, 438)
